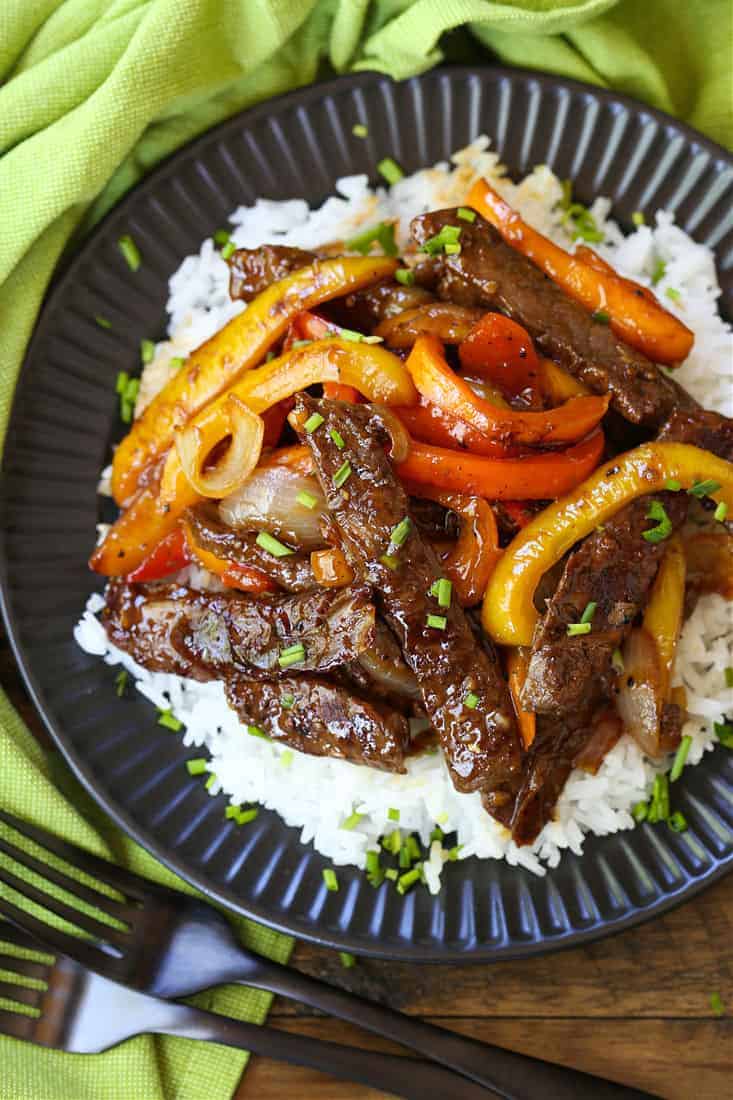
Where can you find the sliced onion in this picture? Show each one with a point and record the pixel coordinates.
(392, 677)
(268, 500)
(195, 446)
(607, 729)
(640, 699)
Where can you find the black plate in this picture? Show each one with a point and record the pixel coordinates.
(62, 424)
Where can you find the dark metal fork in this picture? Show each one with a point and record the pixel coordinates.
(175, 945)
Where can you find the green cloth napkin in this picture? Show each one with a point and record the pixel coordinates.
(93, 93)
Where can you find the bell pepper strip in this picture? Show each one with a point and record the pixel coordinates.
(296, 457)
(517, 663)
(558, 384)
(448, 322)
(443, 387)
(336, 391)
(141, 527)
(274, 419)
(429, 424)
(531, 477)
(238, 346)
(330, 568)
(499, 349)
(232, 574)
(170, 555)
(664, 612)
(310, 326)
(518, 512)
(590, 257)
(633, 318)
(509, 614)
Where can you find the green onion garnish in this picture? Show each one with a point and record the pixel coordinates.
(680, 759)
(576, 629)
(640, 812)
(466, 214)
(673, 485)
(617, 661)
(659, 272)
(121, 681)
(404, 882)
(590, 610)
(103, 322)
(314, 421)
(306, 499)
(728, 677)
(663, 528)
(287, 701)
(677, 822)
(716, 1004)
(437, 622)
(147, 351)
(392, 842)
(382, 234)
(221, 236)
(228, 250)
(444, 592)
(292, 655)
(452, 249)
(197, 766)
(374, 873)
(449, 234)
(724, 733)
(413, 847)
(337, 438)
(392, 814)
(177, 362)
(130, 251)
(601, 316)
(168, 719)
(673, 294)
(721, 511)
(210, 782)
(404, 276)
(242, 817)
(351, 821)
(584, 224)
(436, 834)
(300, 344)
(391, 873)
(390, 170)
(704, 488)
(255, 731)
(471, 700)
(347, 961)
(287, 757)
(232, 812)
(343, 474)
(404, 859)
(359, 130)
(272, 545)
(637, 217)
(329, 877)
(659, 805)
(389, 560)
(398, 534)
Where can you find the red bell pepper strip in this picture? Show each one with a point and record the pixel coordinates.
(170, 555)
(499, 349)
(429, 424)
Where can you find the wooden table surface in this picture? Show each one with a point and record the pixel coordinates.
(633, 1007)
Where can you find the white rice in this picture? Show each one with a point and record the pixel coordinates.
(317, 794)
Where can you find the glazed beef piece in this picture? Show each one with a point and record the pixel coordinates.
(481, 745)
(489, 273)
(323, 719)
(365, 309)
(292, 572)
(252, 270)
(709, 430)
(615, 568)
(206, 635)
(381, 671)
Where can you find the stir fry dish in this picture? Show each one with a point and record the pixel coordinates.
(452, 500)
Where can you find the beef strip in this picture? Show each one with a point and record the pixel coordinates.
(323, 719)
(489, 273)
(204, 635)
(292, 572)
(481, 745)
(365, 309)
(381, 671)
(702, 428)
(252, 270)
(615, 568)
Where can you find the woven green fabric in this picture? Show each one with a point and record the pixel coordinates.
(92, 94)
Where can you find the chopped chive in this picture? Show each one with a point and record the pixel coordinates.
(390, 170)
(660, 269)
(413, 847)
(444, 592)
(306, 499)
(287, 701)
(147, 351)
(471, 700)
(389, 560)
(436, 622)
(287, 757)
(601, 316)
(255, 731)
(210, 782)
(343, 474)
(347, 961)
(584, 224)
(728, 677)
(359, 130)
(232, 812)
(130, 251)
(673, 294)
(293, 655)
(617, 660)
(721, 512)
(404, 276)
(121, 680)
(724, 732)
(638, 218)
(391, 873)
(177, 362)
(640, 812)
(228, 250)
(314, 421)
(677, 822)
(372, 339)
(466, 214)
(449, 234)
(702, 489)
(590, 610)
(392, 842)
(404, 882)
(351, 334)
(168, 719)
(382, 234)
(103, 322)
(452, 249)
(442, 819)
(300, 344)
(454, 852)
(404, 858)
(351, 821)
(121, 384)
(398, 534)
(436, 834)
(329, 877)
(272, 545)
(374, 872)
(245, 816)
(576, 629)
(659, 805)
(680, 759)
(673, 485)
(663, 527)
(197, 766)
(392, 814)
(337, 438)
(716, 1004)
(222, 236)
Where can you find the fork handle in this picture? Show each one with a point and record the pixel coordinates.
(509, 1074)
(405, 1077)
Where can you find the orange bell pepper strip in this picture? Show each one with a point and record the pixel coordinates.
(170, 555)
(141, 527)
(238, 346)
(429, 424)
(443, 387)
(245, 578)
(517, 663)
(337, 391)
(509, 615)
(499, 349)
(590, 257)
(531, 477)
(643, 324)
(297, 457)
(558, 384)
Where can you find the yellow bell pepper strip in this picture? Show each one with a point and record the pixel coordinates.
(643, 324)
(509, 614)
(558, 384)
(238, 346)
(517, 663)
(665, 610)
(440, 385)
(138, 530)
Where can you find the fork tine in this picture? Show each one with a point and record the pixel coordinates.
(27, 967)
(125, 881)
(10, 933)
(79, 889)
(82, 920)
(15, 1024)
(22, 993)
(85, 953)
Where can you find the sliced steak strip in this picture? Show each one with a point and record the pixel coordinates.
(481, 745)
(252, 270)
(709, 430)
(205, 635)
(489, 273)
(292, 572)
(323, 719)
